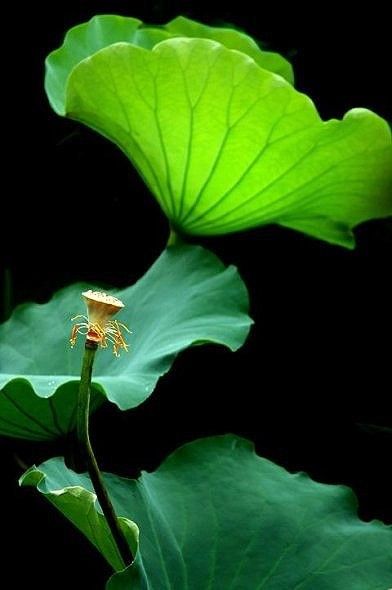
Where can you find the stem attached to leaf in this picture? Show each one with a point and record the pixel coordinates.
(175, 238)
(89, 457)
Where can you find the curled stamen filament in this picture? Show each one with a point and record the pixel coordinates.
(110, 332)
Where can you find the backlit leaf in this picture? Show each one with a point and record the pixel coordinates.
(101, 31)
(225, 145)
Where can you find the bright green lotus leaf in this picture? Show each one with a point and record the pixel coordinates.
(225, 145)
(232, 39)
(101, 31)
(186, 297)
(216, 516)
(86, 39)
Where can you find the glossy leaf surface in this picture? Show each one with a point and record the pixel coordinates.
(186, 297)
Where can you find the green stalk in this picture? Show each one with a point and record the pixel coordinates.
(175, 238)
(83, 415)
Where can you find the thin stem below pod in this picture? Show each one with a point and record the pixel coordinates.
(83, 416)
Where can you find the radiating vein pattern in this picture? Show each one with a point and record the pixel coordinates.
(225, 145)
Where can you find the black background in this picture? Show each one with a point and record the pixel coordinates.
(316, 367)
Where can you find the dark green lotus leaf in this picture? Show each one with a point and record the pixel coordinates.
(186, 297)
(72, 498)
(24, 414)
(225, 145)
(216, 516)
(101, 31)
